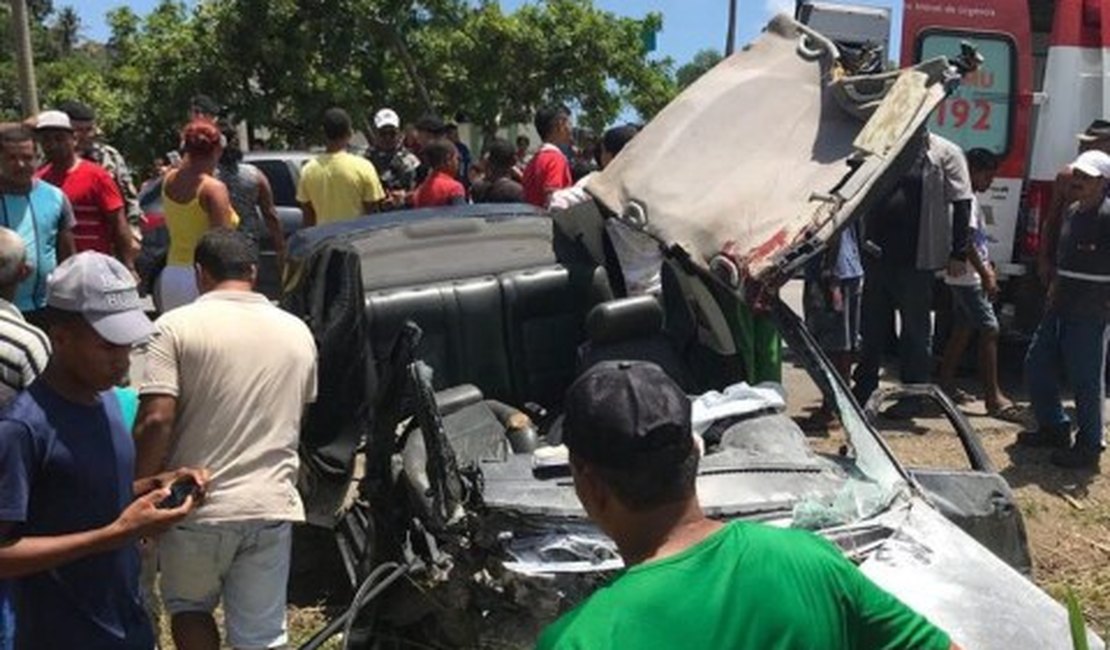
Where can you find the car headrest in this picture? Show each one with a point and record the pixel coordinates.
(624, 319)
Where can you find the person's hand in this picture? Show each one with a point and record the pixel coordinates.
(956, 268)
(143, 518)
(990, 284)
(166, 479)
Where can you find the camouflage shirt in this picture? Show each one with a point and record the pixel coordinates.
(112, 160)
(396, 169)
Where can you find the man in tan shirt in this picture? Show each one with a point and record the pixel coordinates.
(227, 379)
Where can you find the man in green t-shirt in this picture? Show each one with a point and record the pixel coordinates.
(692, 582)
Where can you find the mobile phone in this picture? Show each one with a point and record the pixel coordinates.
(180, 490)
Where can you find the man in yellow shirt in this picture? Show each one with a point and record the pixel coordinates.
(338, 185)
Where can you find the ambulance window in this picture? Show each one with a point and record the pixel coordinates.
(979, 113)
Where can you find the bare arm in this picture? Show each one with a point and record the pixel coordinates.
(216, 202)
(27, 555)
(66, 246)
(123, 241)
(154, 433)
(270, 217)
(309, 215)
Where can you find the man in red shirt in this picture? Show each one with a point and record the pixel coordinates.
(440, 187)
(549, 170)
(101, 224)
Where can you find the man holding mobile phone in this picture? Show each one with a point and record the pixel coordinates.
(70, 507)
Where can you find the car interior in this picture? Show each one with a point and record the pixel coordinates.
(511, 308)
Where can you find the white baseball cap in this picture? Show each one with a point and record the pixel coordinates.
(53, 120)
(387, 117)
(1093, 163)
(102, 290)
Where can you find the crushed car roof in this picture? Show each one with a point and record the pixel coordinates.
(766, 153)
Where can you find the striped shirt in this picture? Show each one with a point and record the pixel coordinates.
(24, 351)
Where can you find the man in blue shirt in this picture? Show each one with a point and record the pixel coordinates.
(70, 509)
(37, 211)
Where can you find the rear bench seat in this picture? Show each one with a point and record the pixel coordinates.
(464, 340)
(515, 336)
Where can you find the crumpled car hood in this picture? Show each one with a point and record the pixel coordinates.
(766, 153)
(941, 572)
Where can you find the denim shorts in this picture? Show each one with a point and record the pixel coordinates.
(244, 564)
(971, 308)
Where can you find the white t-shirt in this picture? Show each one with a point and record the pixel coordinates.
(242, 371)
(977, 235)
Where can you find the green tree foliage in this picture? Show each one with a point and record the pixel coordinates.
(66, 30)
(702, 62)
(279, 63)
(498, 68)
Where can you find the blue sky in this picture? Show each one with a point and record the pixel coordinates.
(688, 25)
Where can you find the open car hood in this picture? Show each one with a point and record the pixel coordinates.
(753, 167)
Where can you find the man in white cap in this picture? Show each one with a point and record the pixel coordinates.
(1072, 337)
(70, 507)
(1096, 137)
(396, 165)
(101, 223)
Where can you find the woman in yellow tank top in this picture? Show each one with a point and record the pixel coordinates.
(193, 202)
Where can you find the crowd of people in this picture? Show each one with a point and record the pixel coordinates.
(104, 485)
(931, 225)
(428, 166)
(99, 467)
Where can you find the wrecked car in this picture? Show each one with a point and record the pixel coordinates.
(447, 337)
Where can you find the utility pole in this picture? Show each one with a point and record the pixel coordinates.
(730, 41)
(28, 94)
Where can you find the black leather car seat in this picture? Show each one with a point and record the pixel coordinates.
(632, 329)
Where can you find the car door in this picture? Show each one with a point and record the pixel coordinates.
(976, 498)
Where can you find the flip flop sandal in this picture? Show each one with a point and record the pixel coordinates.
(1009, 413)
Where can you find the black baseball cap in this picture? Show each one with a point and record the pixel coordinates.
(431, 124)
(204, 104)
(1097, 130)
(78, 111)
(620, 412)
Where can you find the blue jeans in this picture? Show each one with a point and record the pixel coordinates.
(886, 289)
(7, 616)
(1076, 348)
